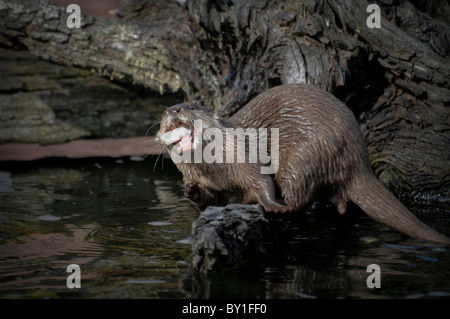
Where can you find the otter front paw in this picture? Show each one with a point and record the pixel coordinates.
(276, 208)
(192, 191)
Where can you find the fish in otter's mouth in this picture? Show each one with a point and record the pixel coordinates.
(179, 136)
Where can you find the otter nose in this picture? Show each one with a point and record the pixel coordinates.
(174, 110)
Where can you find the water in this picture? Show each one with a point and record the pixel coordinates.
(127, 225)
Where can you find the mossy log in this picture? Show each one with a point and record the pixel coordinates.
(45, 103)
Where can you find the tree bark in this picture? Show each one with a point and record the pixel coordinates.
(42, 102)
(223, 53)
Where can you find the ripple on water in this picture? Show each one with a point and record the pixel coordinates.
(159, 223)
(49, 218)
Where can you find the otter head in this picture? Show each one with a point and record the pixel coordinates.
(177, 125)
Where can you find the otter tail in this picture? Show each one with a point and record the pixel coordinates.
(377, 202)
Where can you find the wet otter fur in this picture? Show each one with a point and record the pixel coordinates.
(321, 151)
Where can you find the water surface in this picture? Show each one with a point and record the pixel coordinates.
(127, 225)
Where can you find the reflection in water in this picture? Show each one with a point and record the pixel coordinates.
(48, 245)
(116, 219)
(128, 227)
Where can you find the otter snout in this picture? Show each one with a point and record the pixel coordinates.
(172, 118)
(181, 108)
(174, 110)
(176, 116)
(184, 114)
(177, 127)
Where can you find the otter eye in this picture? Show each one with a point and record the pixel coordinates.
(191, 106)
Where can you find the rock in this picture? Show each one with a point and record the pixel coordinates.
(222, 236)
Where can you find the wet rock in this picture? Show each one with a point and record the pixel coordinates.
(222, 236)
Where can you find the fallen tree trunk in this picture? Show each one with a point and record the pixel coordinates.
(42, 102)
(223, 53)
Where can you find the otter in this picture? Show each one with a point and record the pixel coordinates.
(321, 151)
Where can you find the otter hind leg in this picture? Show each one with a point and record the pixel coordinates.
(340, 201)
(265, 197)
(342, 207)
